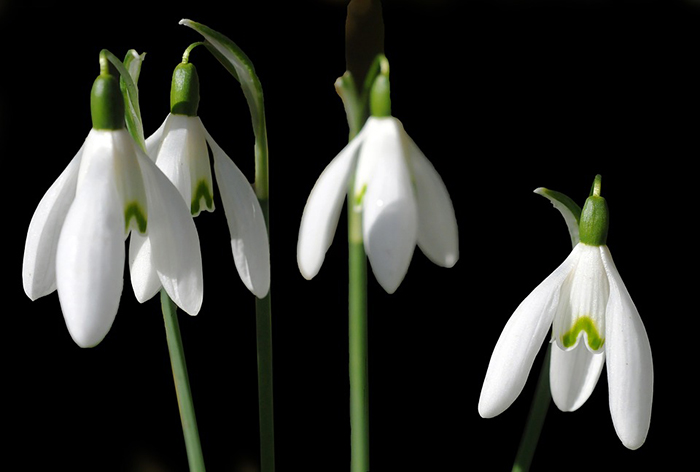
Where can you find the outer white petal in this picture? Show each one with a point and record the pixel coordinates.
(90, 253)
(520, 342)
(171, 156)
(322, 210)
(437, 225)
(630, 368)
(39, 263)
(573, 375)
(154, 141)
(389, 210)
(246, 223)
(174, 241)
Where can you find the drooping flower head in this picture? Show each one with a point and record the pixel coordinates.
(593, 322)
(179, 149)
(75, 240)
(402, 198)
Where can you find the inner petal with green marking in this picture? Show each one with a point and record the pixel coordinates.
(583, 301)
(202, 196)
(134, 211)
(584, 324)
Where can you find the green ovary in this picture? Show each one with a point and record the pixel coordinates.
(584, 323)
(133, 210)
(202, 192)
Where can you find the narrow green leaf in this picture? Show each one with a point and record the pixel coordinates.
(131, 97)
(568, 209)
(132, 63)
(238, 64)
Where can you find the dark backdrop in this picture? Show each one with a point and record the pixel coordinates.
(503, 96)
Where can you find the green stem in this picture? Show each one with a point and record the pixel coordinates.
(357, 303)
(535, 420)
(263, 323)
(182, 384)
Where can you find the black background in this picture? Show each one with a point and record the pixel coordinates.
(503, 96)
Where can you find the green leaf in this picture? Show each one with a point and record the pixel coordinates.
(132, 63)
(239, 65)
(130, 91)
(568, 209)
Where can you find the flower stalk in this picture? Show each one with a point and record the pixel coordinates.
(241, 67)
(357, 342)
(129, 72)
(182, 384)
(357, 107)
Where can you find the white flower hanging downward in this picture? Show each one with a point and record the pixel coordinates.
(75, 241)
(402, 198)
(179, 149)
(594, 321)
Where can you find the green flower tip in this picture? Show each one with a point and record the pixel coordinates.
(106, 102)
(184, 90)
(594, 222)
(380, 93)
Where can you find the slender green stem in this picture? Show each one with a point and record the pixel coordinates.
(535, 420)
(357, 303)
(263, 322)
(182, 384)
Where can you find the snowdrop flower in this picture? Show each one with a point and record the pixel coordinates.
(75, 241)
(594, 321)
(179, 149)
(402, 198)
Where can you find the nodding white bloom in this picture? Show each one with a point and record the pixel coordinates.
(179, 149)
(402, 198)
(75, 241)
(593, 321)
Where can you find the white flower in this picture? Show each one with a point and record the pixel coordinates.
(179, 149)
(75, 241)
(403, 201)
(593, 321)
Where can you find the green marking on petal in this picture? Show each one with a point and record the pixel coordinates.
(586, 324)
(134, 210)
(360, 195)
(202, 192)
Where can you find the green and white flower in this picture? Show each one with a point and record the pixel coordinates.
(179, 149)
(75, 241)
(402, 198)
(593, 321)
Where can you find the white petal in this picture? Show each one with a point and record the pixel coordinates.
(573, 375)
(174, 240)
(246, 223)
(389, 210)
(39, 263)
(144, 277)
(201, 181)
(520, 342)
(126, 172)
(322, 210)
(90, 253)
(154, 141)
(171, 157)
(437, 225)
(584, 296)
(630, 368)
